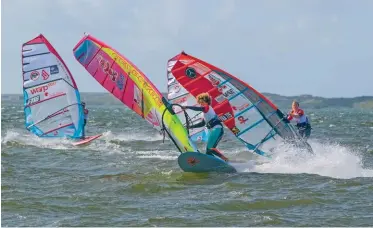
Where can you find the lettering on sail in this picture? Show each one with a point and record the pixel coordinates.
(138, 78)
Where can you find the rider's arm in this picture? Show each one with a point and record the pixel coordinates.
(197, 108)
(300, 112)
(289, 116)
(200, 124)
(292, 114)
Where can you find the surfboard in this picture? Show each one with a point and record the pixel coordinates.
(87, 140)
(199, 163)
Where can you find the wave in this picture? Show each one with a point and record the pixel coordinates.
(330, 159)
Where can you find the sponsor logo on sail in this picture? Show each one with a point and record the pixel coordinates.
(120, 82)
(240, 108)
(242, 119)
(45, 75)
(137, 77)
(225, 95)
(214, 80)
(177, 89)
(42, 88)
(225, 116)
(228, 93)
(34, 75)
(235, 130)
(118, 79)
(191, 72)
(181, 100)
(54, 69)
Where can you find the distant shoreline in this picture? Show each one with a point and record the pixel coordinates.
(264, 93)
(283, 102)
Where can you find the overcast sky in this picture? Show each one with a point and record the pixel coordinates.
(289, 47)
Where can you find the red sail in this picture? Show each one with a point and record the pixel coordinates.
(251, 117)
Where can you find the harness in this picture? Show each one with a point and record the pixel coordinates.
(304, 125)
(213, 122)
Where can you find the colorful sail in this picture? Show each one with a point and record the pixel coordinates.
(177, 94)
(129, 85)
(251, 117)
(51, 98)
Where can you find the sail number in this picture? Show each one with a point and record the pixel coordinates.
(33, 100)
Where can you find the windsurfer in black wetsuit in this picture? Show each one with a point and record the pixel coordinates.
(85, 119)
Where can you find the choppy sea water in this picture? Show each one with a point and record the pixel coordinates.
(130, 177)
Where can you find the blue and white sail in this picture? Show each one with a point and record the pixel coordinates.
(51, 97)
